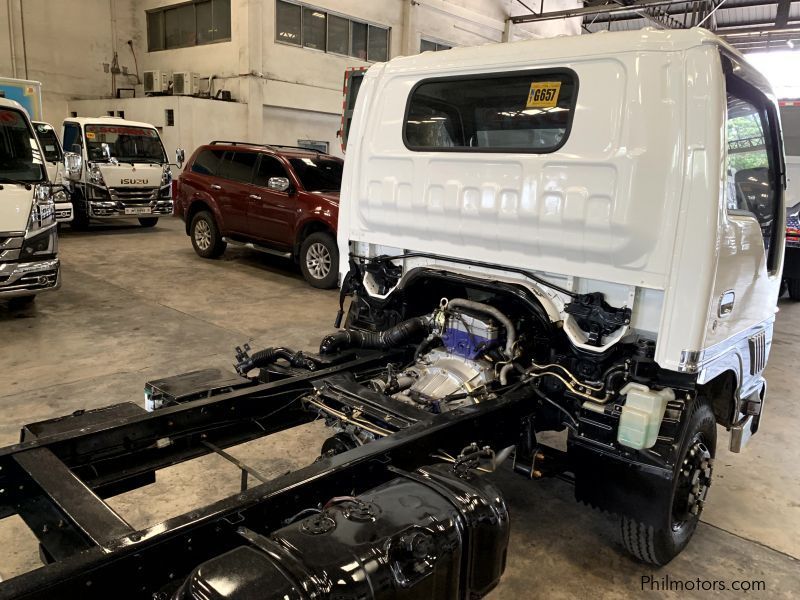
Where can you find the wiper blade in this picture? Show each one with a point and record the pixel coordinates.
(26, 184)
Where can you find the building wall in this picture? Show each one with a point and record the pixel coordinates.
(197, 121)
(66, 49)
(283, 93)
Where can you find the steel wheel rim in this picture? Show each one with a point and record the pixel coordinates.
(202, 234)
(694, 479)
(318, 260)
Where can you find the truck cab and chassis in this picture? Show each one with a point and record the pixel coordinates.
(579, 235)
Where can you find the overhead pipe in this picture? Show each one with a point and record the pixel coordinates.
(11, 39)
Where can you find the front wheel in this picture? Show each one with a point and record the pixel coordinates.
(21, 302)
(80, 219)
(794, 288)
(659, 545)
(206, 239)
(148, 221)
(319, 260)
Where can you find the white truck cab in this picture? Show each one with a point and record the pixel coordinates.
(116, 169)
(612, 206)
(54, 157)
(29, 261)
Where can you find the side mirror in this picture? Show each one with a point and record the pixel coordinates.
(72, 164)
(105, 151)
(180, 157)
(279, 184)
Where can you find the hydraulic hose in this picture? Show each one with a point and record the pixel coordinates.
(265, 357)
(511, 332)
(379, 340)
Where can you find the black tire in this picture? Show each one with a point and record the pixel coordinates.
(319, 260)
(658, 546)
(80, 219)
(148, 221)
(794, 288)
(206, 239)
(21, 302)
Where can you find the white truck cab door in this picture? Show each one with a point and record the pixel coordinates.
(72, 139)
(750, 243)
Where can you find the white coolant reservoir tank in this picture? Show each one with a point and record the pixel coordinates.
(642, 415)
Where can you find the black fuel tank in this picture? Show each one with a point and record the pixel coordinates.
(425, 534)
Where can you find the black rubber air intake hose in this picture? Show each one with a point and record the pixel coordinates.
(265, 357)
(378, 340)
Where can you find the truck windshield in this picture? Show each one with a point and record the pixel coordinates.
(20, 157)
(49, 142)
(126, 143)
(319, 174)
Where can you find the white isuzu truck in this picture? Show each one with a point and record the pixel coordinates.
(116, 169)
(610, 209)
(29, 261)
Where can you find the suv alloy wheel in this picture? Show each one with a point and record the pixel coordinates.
(319, 260)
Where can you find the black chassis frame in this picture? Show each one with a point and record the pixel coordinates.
(55, 479)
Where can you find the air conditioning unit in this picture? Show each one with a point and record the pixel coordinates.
(155, 82)
(185, 83)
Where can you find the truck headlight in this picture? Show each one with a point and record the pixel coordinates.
(166, 176)
(96, 176)
(43, 211)
(43, 244)
(60, 195)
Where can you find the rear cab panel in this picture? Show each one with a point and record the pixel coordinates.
(627, 205)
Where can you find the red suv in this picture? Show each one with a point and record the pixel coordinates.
(276, 199)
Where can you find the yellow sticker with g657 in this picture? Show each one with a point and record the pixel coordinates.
(543, 94)
(90, 135)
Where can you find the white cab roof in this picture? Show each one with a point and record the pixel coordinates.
(559, 48)
(8, 103)
(107, 121)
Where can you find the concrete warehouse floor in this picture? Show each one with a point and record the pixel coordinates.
(139, 304)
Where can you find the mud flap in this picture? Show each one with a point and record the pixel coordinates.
(616, 484)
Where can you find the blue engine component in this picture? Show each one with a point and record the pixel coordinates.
(468, 335)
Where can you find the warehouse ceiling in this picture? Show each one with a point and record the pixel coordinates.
(749, 25)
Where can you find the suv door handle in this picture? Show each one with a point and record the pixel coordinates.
(254, 197)
(214, 186)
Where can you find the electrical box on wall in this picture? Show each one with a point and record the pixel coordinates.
(155, 82)
(185, 83)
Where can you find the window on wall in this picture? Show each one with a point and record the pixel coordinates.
(431, 46)
(189, 24)
(311, 27)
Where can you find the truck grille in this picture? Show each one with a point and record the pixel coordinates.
(32, 281)
(131, 196)
(10, 246)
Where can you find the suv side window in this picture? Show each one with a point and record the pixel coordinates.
(752, 182)
(268, 167)
(207, 161)
(73, 141)
(238, 166)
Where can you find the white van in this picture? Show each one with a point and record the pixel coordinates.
(116, 169)
(29, 261)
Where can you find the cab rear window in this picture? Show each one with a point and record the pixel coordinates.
(527, 111)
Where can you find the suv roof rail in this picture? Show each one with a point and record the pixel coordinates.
(298, 148)
(270, 146)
